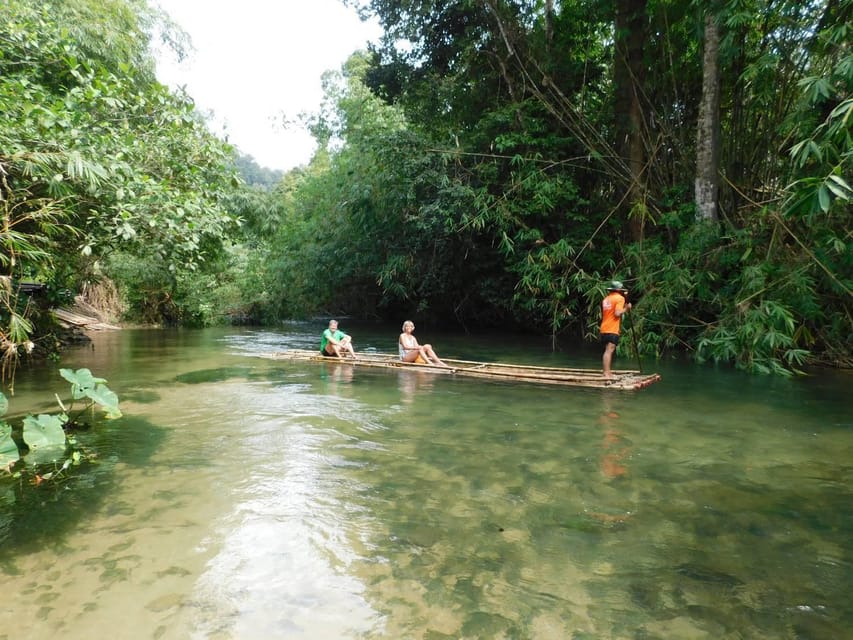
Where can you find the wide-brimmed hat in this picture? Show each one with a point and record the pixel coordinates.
(616, 285)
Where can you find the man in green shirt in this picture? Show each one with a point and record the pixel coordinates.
(335, 342)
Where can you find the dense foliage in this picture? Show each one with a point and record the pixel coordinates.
(488, 163)
(99, 163)
(495, 162)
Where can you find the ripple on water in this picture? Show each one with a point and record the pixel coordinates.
(245, 498)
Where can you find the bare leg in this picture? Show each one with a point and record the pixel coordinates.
(411, 355)
(433, 356)
(414, 353)
(333, 350)
(607, 358)
(346, 347)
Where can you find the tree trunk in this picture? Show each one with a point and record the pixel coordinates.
(549, 23)
(707, 186)
(628, 78)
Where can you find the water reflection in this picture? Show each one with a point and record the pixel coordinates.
(281, 570)
(248, 498)
(414, 383)
(613, 465)
(614, 445)
(336, 375)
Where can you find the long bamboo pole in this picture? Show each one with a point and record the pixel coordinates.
(497, 371)
(295, 354)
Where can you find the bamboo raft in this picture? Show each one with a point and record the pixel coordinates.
(624, 380)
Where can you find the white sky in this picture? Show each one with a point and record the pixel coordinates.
(258, 60)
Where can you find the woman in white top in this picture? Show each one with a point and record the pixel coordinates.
(410, 350)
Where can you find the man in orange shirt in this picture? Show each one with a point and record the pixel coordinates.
(613, 307)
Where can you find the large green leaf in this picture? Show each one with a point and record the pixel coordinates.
(107, 399)
(45, 438)
(82, 381)
(85, 385)
(8, 448)
(4, 404)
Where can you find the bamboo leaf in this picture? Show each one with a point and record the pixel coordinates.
(19, 328)
(837, 190)
(823, 198)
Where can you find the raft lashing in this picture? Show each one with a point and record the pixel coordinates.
(623, 380)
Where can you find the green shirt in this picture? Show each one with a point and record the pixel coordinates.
(327, 334)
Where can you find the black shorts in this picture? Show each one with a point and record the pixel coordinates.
(609, 338)
(329, 355)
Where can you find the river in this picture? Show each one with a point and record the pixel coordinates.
(241, 497)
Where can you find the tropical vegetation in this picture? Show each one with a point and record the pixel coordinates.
(487, 163)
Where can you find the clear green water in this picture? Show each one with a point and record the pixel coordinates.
(245, 498)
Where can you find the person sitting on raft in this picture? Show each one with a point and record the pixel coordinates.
(411, 351)
(335, 342)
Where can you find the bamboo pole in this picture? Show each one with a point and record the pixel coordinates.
(467, 365)
(496, 371)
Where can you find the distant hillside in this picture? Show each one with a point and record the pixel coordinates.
(255, 174)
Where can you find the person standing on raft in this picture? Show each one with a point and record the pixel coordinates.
(411, 351)
(613, 307)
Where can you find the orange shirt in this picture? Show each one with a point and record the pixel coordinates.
(612, 304)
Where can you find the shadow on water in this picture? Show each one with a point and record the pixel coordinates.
(32, 515)
(222, 374)
(142, 396)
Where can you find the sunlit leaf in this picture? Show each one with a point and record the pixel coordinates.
(81, 381)
(8, 447)
(45, 438)
(19, 328)
(106, 398)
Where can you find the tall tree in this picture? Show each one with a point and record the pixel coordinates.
(708, 128)
(629, 71)
(573, 128)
